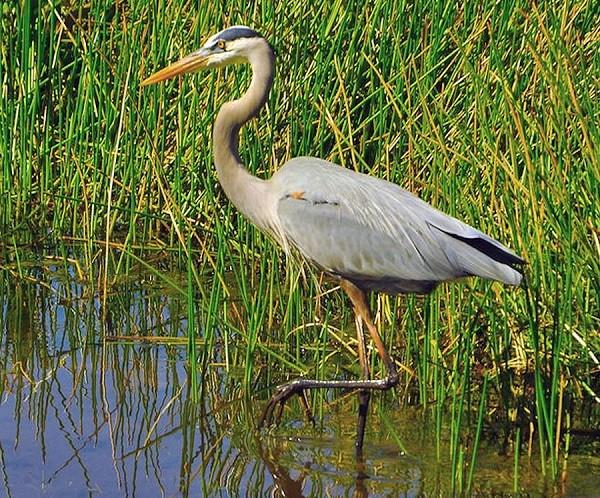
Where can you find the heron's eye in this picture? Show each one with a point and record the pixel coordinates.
(221, 44)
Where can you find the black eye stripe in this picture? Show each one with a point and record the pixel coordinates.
(235, 33)
(230, 34)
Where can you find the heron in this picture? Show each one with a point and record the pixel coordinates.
(368, 234)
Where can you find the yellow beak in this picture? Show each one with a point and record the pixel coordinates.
(189, 63)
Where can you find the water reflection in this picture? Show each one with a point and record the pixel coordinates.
(81, 414)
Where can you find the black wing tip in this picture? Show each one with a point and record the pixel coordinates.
(503, 256)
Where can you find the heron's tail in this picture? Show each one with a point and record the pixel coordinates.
(484, 257)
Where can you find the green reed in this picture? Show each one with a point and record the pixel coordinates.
(488, 111)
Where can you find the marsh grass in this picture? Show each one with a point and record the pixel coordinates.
(489, 111)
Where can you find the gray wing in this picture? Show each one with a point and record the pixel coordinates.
(378, 235)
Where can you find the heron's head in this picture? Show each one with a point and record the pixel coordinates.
(230, 46)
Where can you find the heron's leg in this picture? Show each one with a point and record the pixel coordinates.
(286, 391)
(363, 395)
(362, 311)
(361, 308)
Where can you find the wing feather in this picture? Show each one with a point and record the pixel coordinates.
(371, 230)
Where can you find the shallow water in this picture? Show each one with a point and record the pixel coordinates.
(81, 415)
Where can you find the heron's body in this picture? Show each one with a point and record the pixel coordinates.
(376, 234)
(369, 233)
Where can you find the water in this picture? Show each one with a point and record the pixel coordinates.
(82, 414)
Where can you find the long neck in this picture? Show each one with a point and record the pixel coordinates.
(242, 188)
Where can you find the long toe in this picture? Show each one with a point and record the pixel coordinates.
(306, 406)
(282, 394)
(267, 415)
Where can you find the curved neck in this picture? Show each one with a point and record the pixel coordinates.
(242, 188)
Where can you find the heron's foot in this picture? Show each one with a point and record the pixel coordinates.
(278, 400)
